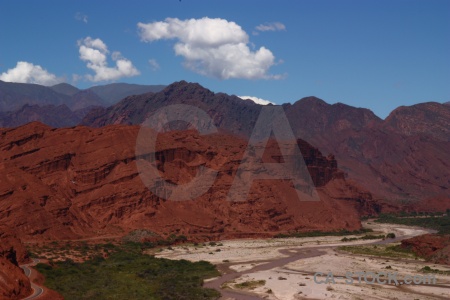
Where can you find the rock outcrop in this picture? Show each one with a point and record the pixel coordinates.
(14, 284)
(433, 247)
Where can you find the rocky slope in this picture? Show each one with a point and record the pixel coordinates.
(403, 159)
(13, 282)
(431, 118)
(311, 117)
(434, 247)
(80, 182)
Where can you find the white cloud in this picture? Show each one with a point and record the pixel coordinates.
(256, 100)
(26, 72)
(81, 17)
(153, 64)
(94, 52)
(273, 26)
(212, 47)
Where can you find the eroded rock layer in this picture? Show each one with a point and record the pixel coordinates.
(434, 247)
(80, 182)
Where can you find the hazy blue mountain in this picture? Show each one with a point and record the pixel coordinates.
(85, 98)
(65, 89)
(15, 95)
(52, 115)
(114, 92)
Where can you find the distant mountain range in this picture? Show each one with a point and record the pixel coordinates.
(55, 116)
(107, 94)
(231, 113)
(61, 105)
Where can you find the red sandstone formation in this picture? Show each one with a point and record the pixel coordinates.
(433, 247)
(81, 182)
(13, 282)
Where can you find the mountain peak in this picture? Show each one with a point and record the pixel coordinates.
(186, 88)
(312, 100)
(184, 84)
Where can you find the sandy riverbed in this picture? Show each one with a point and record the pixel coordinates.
(295, 280)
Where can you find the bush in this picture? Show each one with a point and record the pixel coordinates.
(372, 237)
(250, 284)
(390, 235)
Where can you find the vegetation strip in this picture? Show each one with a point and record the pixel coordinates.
(129, 274)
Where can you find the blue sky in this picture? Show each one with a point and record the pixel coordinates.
(373, 54)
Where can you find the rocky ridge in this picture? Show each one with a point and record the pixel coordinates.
(401, 160)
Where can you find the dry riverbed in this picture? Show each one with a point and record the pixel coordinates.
(269, 269)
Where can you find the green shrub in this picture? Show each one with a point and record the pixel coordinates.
(390, 235)
(437, 221)
(250, 284)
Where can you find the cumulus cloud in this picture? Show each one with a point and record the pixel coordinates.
(94, 52)
(153, 64)
(81, 17)
(26, 72)
(212, 47)
(256, 100)
(273, 26)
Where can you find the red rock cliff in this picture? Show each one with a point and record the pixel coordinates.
(13, 282)
(81, 182)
